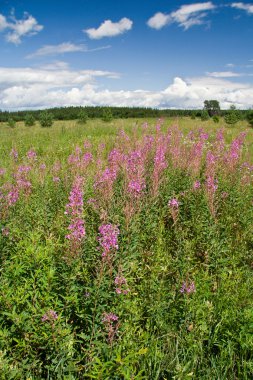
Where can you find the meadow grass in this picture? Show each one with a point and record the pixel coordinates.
(126, 250)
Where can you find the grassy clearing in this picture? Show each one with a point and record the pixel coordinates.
(126, 255)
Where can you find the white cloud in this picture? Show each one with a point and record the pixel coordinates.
(230, 65)
(63, 48)
(159, 20)
(223, 74)
(16, 29)
(110, 29)
(186, 16)
(23, 88)
(3, 23)
(245, 7)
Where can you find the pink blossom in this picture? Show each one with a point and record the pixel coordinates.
(50, 315)
(2, 171)
(108, 239)
(31, 155)
(173, 203)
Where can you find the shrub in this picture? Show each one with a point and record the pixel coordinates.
(232, 116)
(29, 120)
(250, 118)
(205, 115)
(107, 115)
(46, 119)
(11, 123)
(82, 117)
(216, 119)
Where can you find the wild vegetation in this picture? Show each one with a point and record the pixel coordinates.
(126, 250)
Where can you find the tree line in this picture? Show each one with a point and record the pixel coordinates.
(211, 108)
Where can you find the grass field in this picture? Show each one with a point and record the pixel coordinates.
(126, 250)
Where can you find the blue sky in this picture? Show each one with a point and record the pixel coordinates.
(153, 53)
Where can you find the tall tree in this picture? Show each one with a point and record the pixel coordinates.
(212, 107)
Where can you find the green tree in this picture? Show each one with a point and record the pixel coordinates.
(205, 115)
(11, 123)
(29, 120)
(107, 115)
(212, 107)
(232, 116)
(82, 117)
(46, 119)
(250, 118)
(216, 119)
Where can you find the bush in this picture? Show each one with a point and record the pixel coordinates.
(11, 123)
(205, 115)
(29, 120)
(107, 115)
(232, 116)
(250, 118)
(216, 119)
(82, 117)
(46, 119)
(193, 115)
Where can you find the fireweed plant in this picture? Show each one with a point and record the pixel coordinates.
(126, 253)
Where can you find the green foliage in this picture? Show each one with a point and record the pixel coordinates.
(212, 107)
(163, 332)
(232, 116)
(107, 115)
(205, 115)
(46, 119)
(11, 123)
(250, 118)
(216, 119)
(82, 117)
(193, 115)
(29, 120)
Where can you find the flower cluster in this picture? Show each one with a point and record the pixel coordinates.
(121, 285)
(188, 288)
(49, 316)
(108, 239)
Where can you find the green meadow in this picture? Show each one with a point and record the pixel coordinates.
(126, 250)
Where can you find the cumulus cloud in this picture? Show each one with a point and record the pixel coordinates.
(245, 7)
(16, 29)
(23, 88)
(110, 29)
(186, 16)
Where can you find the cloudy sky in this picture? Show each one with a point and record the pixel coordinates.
(152, 53)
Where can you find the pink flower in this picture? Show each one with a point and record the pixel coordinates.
(196, 185)
(50, 315)
(31, 155)
(173, 203)
(188, 288)
(108, 239)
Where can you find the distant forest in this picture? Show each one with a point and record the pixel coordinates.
(72, 113)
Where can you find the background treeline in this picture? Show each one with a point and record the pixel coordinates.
(72, 113)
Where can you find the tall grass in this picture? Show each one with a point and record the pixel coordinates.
(126, 251)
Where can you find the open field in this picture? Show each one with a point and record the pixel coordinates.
(126, 250)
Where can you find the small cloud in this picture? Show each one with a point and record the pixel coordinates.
(230, 65)
(223, 74)
(245, 7)
(186, 16)
(57, 65)
(110, 29)
(16, 29)
(159, 20)
(65, 47)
